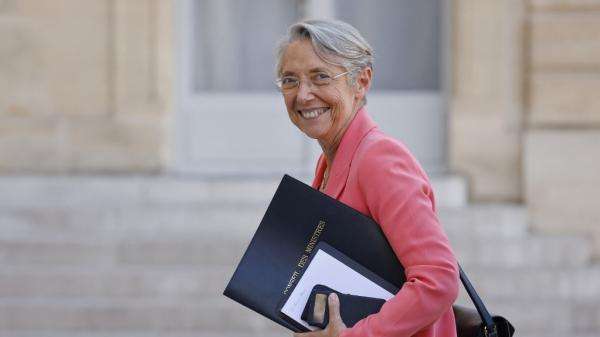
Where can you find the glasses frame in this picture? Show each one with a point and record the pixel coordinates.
(279, 86)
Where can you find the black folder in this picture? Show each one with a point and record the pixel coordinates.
(297, 218)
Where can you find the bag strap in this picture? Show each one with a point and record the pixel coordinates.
(489, 326)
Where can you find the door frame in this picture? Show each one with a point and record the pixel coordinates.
(180, 162)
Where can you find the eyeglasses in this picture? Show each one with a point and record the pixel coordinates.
(287, 84)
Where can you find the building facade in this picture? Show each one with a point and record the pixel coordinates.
(117, 87)
(141, 140)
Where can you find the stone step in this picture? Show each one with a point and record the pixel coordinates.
(202, 334)
(118, 190)
(552, 334)
(216, 334)
(578, 284)
(197, 282)
(213, 334)
(77, 191)
(215, 316)
(150, 333)
(208, 316)
(192, 251)
(473, 222)
(191, 282)
(206, 248)
(549, 316)
(125, 222)
(534, 251)
(478, 221)
(450, 190)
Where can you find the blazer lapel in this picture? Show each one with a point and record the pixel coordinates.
(321, 165)
(338, 174)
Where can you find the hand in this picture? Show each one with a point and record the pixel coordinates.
(335, 326)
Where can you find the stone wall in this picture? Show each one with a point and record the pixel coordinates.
(85, 85)
(525, 108)
(485, 124)
(562, 148)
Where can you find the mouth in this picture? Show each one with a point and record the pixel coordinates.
(313, 112)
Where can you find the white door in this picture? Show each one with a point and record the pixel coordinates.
(231, 120)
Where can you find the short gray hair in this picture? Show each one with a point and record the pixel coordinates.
(335, 42)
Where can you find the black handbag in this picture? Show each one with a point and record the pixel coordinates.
(479, 322)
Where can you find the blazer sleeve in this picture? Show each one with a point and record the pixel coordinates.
(399, 197)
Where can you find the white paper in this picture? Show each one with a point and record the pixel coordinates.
(326, 270)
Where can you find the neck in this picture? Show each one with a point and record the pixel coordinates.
(330, 147)
(329, 153)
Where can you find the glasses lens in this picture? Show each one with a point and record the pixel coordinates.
(287, 83)
(321, 79)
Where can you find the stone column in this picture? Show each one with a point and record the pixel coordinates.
(485, 122)
(562, 151)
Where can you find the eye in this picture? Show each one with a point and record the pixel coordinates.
(321, 78)
(288, 80)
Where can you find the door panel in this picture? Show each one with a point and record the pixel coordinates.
(230, 119)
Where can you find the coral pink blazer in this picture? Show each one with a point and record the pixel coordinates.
(376, 175)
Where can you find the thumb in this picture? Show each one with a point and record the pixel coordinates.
(334, 309)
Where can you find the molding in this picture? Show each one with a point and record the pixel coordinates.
(135, 57)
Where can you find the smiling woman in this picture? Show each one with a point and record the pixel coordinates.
(324, 71)
(318, 101)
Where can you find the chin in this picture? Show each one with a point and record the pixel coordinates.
(314, 131)
(312, 135)
(311, 131)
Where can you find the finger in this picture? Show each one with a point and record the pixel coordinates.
(317, 333)
(334, 309)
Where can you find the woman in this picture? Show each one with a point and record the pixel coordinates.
(324, 72)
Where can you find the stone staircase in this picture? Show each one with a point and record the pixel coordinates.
(129, 256)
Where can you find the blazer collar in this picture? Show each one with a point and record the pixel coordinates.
(360, 125)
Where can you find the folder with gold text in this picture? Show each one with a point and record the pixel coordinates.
(296, 220)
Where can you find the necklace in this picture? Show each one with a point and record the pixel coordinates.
(325, 178)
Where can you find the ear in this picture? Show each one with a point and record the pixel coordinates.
(363, 82)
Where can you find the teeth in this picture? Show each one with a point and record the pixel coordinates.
(313, 113)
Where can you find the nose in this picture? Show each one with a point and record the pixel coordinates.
(304, 93)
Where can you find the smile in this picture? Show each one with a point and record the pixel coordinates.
(313, 113)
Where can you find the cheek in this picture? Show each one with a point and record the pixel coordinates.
(289, 105)
(337, 102)
(289, 102)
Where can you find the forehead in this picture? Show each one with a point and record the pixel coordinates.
(300, 57)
